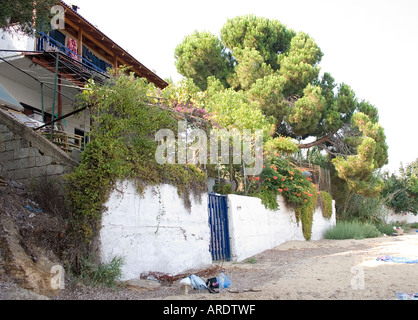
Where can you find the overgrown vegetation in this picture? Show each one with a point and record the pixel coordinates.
(261, 74)
(102, 274)
(355, 229)
(326, 204)
(352, 230)
(21, 13)
(401, 192)
(122, 146)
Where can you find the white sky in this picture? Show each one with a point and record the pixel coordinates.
(370, 45)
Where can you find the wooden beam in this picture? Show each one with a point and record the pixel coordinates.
(45, 64)
(80, 42)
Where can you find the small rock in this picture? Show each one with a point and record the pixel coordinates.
(141, 284)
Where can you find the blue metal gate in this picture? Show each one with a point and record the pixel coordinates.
(219, 229)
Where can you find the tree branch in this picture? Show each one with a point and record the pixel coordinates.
(316, 142)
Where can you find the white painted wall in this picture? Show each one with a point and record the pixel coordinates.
(155, 232)
(15, 40)
(130, 228)
(406, 217)
(253, 228)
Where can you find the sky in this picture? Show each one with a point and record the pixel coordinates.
(370, 45)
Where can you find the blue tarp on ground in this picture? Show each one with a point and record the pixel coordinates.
(407, 296)
(397, 259)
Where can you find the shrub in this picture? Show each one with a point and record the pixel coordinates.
(352, 230)
(103, 274)
(281, 177)
(386, 228)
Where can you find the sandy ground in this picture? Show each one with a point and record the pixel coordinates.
(299, 270)
(327, 270)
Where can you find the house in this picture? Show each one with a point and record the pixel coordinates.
(43, 74)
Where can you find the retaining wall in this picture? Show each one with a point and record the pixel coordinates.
(25, 154)
(392, 217)
(253, 228)
(154, 232)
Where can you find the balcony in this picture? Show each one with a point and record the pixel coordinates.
(48, 44)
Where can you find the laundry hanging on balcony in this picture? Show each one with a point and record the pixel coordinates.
(72, 45)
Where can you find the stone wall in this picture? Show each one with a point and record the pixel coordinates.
(25, 154)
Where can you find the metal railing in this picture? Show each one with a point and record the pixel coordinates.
(46, 43)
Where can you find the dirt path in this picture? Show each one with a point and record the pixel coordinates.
(326, 269)
(314, 270)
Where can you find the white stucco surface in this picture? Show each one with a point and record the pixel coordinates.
(407, 217)
(154, 232)
(253, 228)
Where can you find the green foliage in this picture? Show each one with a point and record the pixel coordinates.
(307, 111)
(21, 13)
(101, 274)
(388, 228)
(251, 260)
(400, 193)
(268, 92)
(305, 212)
(363, 209)
(280, 176)
(250, 67)
(223, 188)
(273, 84)
(280, 145)
(233, 110)
(299, 64)
(357, 170)
(122, 147)
(202, 55)
(268, 198)
(351, 230)
(326, 204)
(269, 37)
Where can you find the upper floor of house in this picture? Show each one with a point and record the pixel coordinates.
(83, 43)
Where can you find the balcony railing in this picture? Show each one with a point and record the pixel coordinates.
(65, 140)
(46, 43)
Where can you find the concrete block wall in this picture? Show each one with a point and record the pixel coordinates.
(26, 155)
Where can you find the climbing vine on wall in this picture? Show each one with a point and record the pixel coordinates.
(122, 146)
(280, 177)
